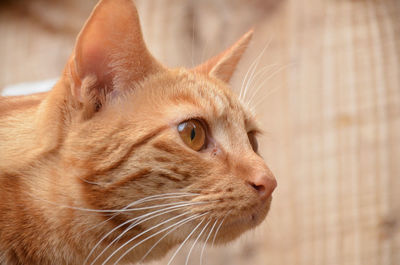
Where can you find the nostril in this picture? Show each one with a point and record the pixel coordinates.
(264, 186)
(259, 188)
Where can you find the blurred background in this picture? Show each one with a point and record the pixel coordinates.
(327, 90)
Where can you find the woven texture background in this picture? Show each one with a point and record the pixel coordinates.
(330, 106)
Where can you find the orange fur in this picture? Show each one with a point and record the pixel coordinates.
(106, 136)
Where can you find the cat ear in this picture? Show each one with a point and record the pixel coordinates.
(224, 64)
(110, 53)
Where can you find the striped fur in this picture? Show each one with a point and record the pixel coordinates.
(80, 162)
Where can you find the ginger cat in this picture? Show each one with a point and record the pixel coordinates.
(124, 158)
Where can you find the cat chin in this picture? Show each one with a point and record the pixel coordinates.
(235, 227)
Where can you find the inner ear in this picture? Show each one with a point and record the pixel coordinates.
(224, 64)
(110, 53)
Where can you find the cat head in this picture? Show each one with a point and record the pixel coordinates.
(145, 136)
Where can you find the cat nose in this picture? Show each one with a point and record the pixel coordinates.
(263, 184)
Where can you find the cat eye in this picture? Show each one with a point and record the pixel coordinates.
(253, 141)
(193, 134)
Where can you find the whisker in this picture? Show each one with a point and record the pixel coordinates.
(165, 229)
(264, 97)
(194, 243)
(253, 66)
(139, 221)
(248, 83)
(166, 234)
(102, 239)
(257, 76)
(165, 196)
(263, 83)
(150, 207)
(219, 227)
(163, 211)
(102, 210)
(184, 241)
(245, 77)
(147, 199)
(140, 234)
(205, 242)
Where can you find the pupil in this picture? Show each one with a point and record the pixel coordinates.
(192, 134)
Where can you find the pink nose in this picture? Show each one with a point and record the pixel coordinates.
(264, 185)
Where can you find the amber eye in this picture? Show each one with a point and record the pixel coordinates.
(193, 134)
(253, 141)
